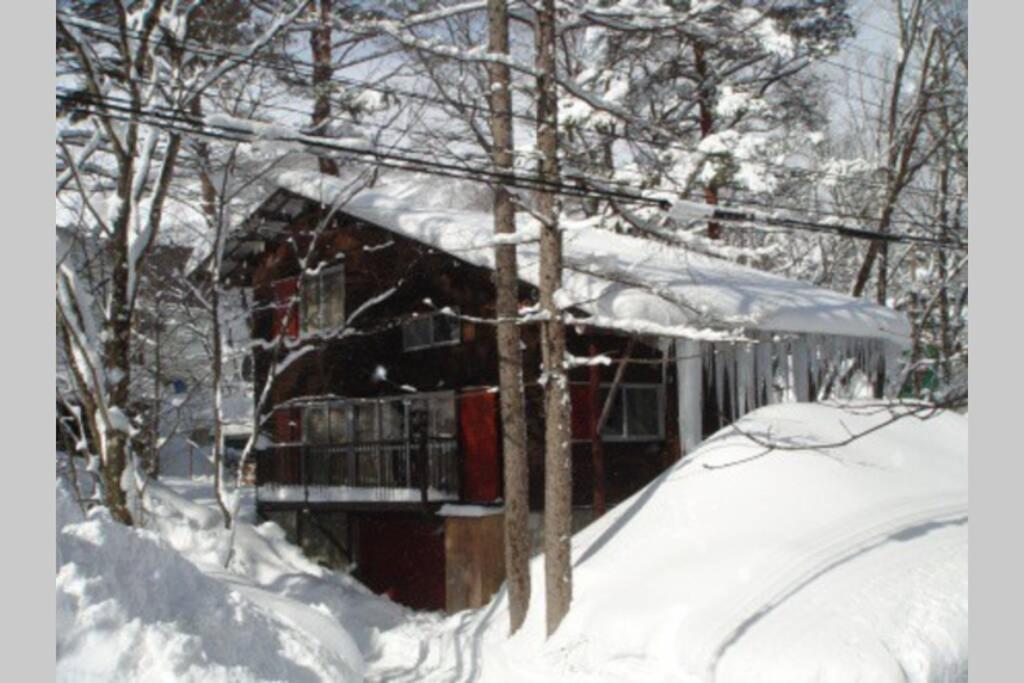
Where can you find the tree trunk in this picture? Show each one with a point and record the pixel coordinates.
(117, 354)
(158, 379)
(217, 372)
(706, 105)
(557, 453)
(320, 43)
(510, 359)
(213, 220)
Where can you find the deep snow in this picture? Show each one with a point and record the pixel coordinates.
(823, 564)
(155, 604)
(844, 564)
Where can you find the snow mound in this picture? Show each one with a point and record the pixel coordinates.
(130, 607)
(738, 564)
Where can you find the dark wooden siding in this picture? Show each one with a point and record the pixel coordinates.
(376, 261)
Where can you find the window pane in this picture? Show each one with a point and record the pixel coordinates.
(333, 300)
(419, 419)
(642, 417)
(316, 425)
(446, 328)
(392, 420)
(442, 410)
(416, 332)
(366, 420)
(341, 430)
(310, 305)
(613, 426)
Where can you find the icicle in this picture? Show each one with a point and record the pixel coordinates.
(734, 385)
(801, 370)
(782, 353)
(764, 370)
(813, 366)
(745, 371)
(690, 385)
(720, 361)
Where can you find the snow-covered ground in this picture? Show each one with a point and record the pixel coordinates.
(738, 564)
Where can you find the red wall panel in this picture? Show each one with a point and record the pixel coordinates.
(403, 558)
(478, 441)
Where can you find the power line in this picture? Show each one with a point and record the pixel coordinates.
(189, 124)
(593, 181)
(186, 124)
(399, 92)
(590, 180)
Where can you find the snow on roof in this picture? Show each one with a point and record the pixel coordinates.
(623, 282)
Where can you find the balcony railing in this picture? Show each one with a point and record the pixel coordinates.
(384, 470)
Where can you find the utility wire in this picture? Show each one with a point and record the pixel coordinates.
(483, 109)
(192, 125)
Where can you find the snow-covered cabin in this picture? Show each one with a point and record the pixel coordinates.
(382, 431)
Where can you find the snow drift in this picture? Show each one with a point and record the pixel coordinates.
(740, 564)
(130, 607)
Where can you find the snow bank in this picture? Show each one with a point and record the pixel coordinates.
(130, 607)
(840, 564)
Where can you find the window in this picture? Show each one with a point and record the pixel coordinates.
(316, 429)
(636, 413)
(392, 420)
(431, 329)
(365, 420)
(323, 299)
(442, 416)
(342, 422)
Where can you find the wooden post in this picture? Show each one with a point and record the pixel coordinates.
(596, 444)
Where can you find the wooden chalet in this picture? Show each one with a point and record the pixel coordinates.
(382, 444)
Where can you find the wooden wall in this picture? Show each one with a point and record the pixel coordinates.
(377, 260)
(474, 560)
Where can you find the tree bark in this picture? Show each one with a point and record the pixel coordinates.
(320, 43)
(510, 359)
(557, 455)
(158, 380)
(705, 106)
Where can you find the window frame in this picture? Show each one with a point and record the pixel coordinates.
(626, 436)
(316, 280)
(328, 406)
(433, 343)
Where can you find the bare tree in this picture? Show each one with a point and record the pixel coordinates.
(510, 358)
(131, 65)
(557, 451)
(320, 42)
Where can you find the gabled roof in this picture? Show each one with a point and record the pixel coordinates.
(626, 283)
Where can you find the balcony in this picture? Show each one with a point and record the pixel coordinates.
(384, 471)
